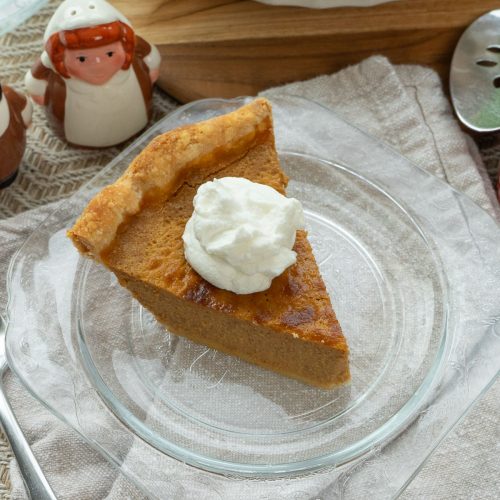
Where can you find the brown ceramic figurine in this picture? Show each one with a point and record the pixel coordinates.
(95, 76)
(15, 117)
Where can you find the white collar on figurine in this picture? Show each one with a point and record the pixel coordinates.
(116, 81)
(4, 114)
(74, 14)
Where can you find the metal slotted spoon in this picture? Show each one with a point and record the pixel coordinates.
(36, 484)
(475, 74)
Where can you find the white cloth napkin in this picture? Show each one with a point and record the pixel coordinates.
(405, 107)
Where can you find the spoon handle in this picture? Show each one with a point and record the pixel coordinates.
(34, 479)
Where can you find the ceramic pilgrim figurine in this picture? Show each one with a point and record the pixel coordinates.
(95, 77)
(15, 117)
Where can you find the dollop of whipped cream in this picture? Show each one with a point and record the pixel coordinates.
(241, 234)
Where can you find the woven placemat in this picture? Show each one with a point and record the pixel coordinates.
(489, 147)
(52, 170)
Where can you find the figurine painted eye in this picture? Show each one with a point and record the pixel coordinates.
(82, 59)
(110, 54)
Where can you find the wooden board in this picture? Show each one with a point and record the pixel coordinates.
(227, 48)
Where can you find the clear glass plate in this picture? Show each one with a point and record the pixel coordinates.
(413, 270)
(392, 310)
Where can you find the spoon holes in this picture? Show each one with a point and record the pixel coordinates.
(496, 82)
(486, 63)
(494, 48)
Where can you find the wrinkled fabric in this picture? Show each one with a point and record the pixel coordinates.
(405, 107)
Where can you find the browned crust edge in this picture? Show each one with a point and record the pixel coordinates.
(161, 165)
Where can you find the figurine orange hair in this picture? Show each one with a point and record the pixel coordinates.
(89, 38)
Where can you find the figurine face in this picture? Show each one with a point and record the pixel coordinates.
(95, 65)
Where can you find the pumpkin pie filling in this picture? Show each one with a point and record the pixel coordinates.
(134, 227)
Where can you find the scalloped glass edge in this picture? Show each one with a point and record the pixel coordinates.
(472, 241)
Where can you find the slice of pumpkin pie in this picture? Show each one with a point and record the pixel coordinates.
(135, 227)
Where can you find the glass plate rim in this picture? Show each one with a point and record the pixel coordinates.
(383, 434)
(90, 367)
